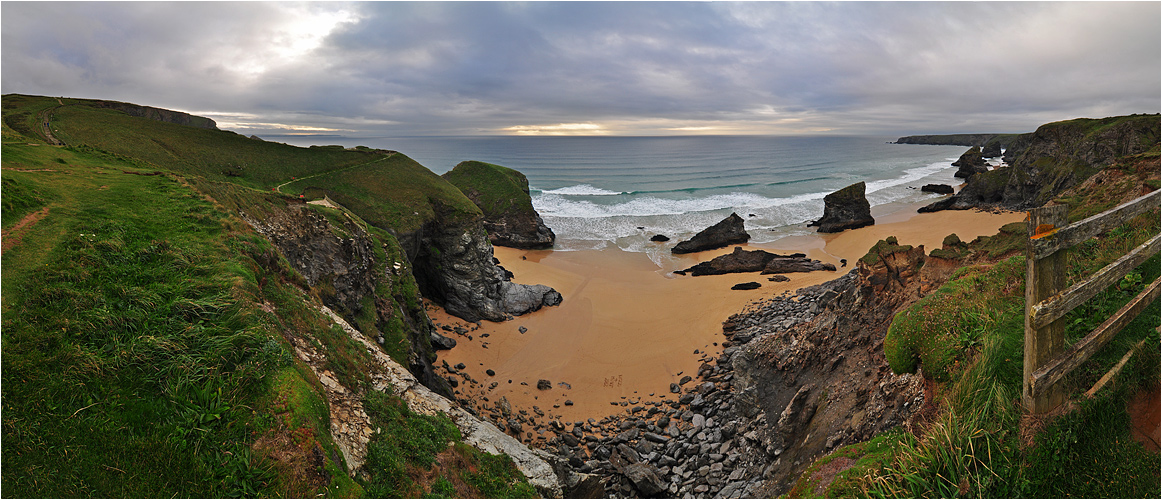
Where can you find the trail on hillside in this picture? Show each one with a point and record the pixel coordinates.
(43, 120)
(280, 186)
(14, 235)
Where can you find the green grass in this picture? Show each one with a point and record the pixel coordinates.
(395, 193)
(407, 445)
(495, 189)
(135, 354)
(969, 335)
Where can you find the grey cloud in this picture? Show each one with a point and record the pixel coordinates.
(478, 67)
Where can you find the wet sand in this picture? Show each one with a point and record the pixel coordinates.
(627, 328)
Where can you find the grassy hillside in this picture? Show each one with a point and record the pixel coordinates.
(968, 339)
(495, 189)
(146, 329)
(384, 188)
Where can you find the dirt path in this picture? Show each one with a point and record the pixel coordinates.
(43, 119)
(15, 234)
(280, 186)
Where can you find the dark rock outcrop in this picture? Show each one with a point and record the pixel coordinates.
(750, 285)
(660, 238)
(503, 196)
(937, 188)
(970, 163)
(454, 267)
(729, 231)
(1052, 159)
(992, 149)
(340, 264)
(743, 261)
(847, 208)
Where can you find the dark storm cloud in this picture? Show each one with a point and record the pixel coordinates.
(482, 67)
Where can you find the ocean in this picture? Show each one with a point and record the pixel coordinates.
(598, 192)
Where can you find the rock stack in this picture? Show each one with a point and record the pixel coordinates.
(847, 208)
(729, 231)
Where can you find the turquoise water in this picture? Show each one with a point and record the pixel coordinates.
(597, 192)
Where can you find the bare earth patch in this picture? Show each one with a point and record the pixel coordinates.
(15, 234)
(1144, 418)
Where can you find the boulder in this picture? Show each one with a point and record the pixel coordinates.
(519, 299)
(660, 238)
(729, 231)
(937, 188)
(646, 479)
(544, 385)
(847, 208)
(750, 285)
(442, 343)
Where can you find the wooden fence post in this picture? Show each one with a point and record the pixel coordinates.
(1043, 278)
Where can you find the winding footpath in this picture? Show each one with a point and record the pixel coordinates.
(293, 180)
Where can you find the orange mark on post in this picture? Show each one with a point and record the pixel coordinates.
(1044, 230)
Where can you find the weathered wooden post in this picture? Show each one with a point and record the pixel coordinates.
(1044, 278)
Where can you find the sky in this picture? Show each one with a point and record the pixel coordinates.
(389, 69)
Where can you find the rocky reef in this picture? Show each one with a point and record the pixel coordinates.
(847, 208)
(1053, 158)
(743, 261)
(503, 196)
(729, 231)
(937, 188)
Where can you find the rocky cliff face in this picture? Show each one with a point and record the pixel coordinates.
(454, 266)
(503, 196)
(361, 275)
(159, 114)
(1055, 157)
(812, 385)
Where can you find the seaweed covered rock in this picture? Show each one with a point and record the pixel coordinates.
(729, 231)
(847, 208)
(503, 195)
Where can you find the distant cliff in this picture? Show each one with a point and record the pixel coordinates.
(1055, 157)
(956, 139)
(158, 114)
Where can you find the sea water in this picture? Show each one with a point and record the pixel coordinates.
(601, 192)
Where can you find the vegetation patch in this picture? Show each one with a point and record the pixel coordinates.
(495, 189)
(415, 455)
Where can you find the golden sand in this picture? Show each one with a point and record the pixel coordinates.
(627, 328)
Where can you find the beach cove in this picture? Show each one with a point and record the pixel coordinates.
(628, 327)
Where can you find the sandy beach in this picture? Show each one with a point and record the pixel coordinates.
(628, 328)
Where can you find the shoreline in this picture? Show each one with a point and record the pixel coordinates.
(628, 327)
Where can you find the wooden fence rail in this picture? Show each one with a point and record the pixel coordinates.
(1046, 304)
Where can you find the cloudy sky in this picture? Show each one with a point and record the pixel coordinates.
(650, 68)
